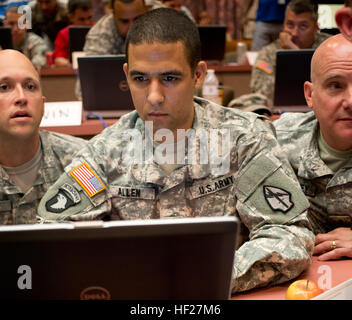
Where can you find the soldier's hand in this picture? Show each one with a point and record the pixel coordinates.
(333, 245)
(286, 41)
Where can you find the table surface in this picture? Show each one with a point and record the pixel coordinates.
(327, 274)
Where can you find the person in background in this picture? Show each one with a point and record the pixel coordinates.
(204, 18)
(80, 13)
(30, 159)
(319, 147)
(30, 44)
(178, 5)
(109, 33)
(48, 18)
(253, 182)
(268, 22)
(301, 31)
(343, 19)
(4, 4)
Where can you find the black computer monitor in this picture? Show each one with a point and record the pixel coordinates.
(213, 40)
(77, 38)
(5, 38)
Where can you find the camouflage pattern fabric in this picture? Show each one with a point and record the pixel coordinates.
(263, 72)
(19, 208)
(275, 245)
(329, 193)
(34, 48)
(103, 38)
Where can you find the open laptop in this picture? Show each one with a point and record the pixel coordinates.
(5, 38)
(292, 70)
(105, 91)
(213, 40)
(77, 38)
(188, 258)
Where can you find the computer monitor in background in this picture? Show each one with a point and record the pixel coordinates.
(105, 91)
(292, 70)
(213, 40)
(326, 18)
(77, 38)
(5, 38)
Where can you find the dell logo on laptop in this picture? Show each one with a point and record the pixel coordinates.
(95, 293)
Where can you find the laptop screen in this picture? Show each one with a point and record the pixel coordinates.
(77, 38)
(213, 40)
(189, 258)
(5, 38)
(292, 70)
(104, 85)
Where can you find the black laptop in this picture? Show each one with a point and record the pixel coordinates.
(5, 38)
(77, 38)
(188, 258)
(292, 70)
(213, 41)
(105, 91)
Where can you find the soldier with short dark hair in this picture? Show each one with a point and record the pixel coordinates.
(178, 156)
(301, 31)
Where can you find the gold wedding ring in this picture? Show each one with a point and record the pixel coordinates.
(333, 245)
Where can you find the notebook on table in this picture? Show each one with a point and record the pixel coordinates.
(105, 91)
(292, 70)
(188, 258)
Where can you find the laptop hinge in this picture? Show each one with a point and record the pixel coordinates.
(88, 224)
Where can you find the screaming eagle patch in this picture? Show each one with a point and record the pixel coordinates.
(278, 199)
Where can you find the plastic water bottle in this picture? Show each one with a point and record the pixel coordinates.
(210, 89)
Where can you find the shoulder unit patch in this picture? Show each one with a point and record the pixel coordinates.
(278, 199)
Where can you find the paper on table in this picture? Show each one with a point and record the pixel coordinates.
(66, 113)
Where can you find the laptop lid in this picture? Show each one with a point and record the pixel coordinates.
(5, 38)
(188, 258)
(213, 40)
(292, 70)
(77, 38)
(104, 86)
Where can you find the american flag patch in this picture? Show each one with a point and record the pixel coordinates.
(88, 180)
(266, 67)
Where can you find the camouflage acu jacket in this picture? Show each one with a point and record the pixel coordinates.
(258, 186)
(263, 72)
(329, 193)
(19, 208)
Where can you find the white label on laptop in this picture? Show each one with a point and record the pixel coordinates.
(66, 113)
(75, 56)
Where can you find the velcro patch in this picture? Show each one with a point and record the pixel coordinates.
(59, 202)
(264, 66)
(133, 192)
(88, 180)
(277, 198)
(72, 192)
(201, 190)
(5, 205)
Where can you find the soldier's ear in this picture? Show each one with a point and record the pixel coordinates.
(343, 19)
(308, 91)
(200, 72)
(125, 70)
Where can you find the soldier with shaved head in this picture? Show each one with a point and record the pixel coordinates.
(30, 159)
(319, 146)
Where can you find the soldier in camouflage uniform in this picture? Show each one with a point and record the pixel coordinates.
(30, 44)
(30, 159)
(108, 35)
(107, 181)
(300, 32)
(122, 173)
(48, 18)
(252, 102)
(319, 147)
